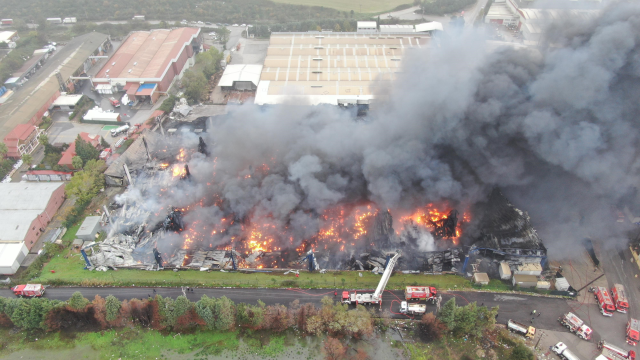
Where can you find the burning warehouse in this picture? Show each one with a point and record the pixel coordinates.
(280, 181)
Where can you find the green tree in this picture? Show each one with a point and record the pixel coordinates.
(337, 28)
(465, 320)
(168, 104)
(447, 313)
(77, 301)
(104, 143)
(521, 352)
(195, 86)
(27, 159)
(3, 150)
(44, 139)
(86, 184)
(219, 314)
(76, 162)
(85, 150)
(112, 305)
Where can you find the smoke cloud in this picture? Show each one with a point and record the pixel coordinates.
(555, 127)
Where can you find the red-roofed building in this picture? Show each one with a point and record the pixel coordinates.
(23, 139)
(67, 155)
(147, 63)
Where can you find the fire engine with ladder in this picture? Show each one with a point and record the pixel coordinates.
(630, 355)
(633, 332)
(376, 297)
(620, 298)
(604, 300)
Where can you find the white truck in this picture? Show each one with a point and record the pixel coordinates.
(563, 352)
(121, 130)
(375, 297)
(69, 20)
(576, 325)
(524, 330)
(412, 309)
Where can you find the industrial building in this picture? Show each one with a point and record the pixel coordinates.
(25, 210)
(23, 139)
(66, 102)
(366, 26)
(37, 95)
(8, 37)
(240, 77)
(532, 21)
(331, 68)
(148, 62)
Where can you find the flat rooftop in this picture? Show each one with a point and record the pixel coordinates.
(147, 54)
(20, 204)
(28, 99)
(325, 67)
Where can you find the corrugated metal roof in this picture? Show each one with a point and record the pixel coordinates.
(147, 54)
(430, 26)
(241, 72)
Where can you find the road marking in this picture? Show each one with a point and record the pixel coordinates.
(507, 298)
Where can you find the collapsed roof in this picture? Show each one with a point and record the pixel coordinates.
(503, 226)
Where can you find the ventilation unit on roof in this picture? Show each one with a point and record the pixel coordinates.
(395, 59)
(113, 63)
(107, 70)
(317, 59)
(135, 63)
(317, 72)
(316, 86)
(318, 47)
(129, 70)
(320, 37)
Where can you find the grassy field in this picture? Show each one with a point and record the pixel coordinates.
(67, 268)
(361, 6)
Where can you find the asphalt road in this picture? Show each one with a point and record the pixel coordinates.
(512, 306)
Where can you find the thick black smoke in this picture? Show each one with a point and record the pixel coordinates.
(556, 128)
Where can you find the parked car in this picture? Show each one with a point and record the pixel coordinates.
(235, 25)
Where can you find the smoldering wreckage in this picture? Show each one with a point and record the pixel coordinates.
(154, 236)
(314, 187)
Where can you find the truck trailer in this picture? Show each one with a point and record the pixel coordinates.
(120, 130)
(28, 290)
(412, 309)
(576, 325)
(426, 293)
(69, 20)
(604, 300)
(619, 296)
(630, 355)
(563, 352)
(524, 330)
(633, 332)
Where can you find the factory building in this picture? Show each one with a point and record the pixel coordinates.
(366, 27)
(25, 210)
(332, 68)
(148, 62)
(240, 77)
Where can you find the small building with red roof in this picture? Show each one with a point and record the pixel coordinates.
(67, 155)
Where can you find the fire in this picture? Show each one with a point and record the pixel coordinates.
(178, 170)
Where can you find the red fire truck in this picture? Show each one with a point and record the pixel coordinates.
(426, 293)
(29, 290)
(631, 355)
(604, 300)
(633, 332)
(576, 325)
(620, 298)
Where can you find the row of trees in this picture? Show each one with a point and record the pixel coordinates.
(180, 314)
(18, 56)
(441, 7)
(230, 11)
(336, 25)
(196, 81)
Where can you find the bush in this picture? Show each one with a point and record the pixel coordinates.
(430, 329)
(521, 352)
